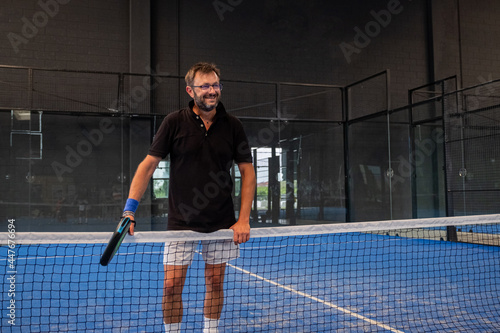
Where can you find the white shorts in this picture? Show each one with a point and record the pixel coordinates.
(214, 252)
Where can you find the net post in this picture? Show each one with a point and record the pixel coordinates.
(451, 234)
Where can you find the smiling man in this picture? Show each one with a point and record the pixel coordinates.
(203, 141)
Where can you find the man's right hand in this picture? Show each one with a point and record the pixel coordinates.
(132, 225)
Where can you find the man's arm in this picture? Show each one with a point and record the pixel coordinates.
(141, 180)
(241, 228)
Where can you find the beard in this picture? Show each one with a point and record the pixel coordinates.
(206, 102)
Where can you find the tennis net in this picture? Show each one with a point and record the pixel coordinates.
(424, 275)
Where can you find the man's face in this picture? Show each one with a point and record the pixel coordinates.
(205, 99)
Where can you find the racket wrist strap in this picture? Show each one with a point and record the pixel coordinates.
(129, 213)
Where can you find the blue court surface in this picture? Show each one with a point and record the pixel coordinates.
(330, 283)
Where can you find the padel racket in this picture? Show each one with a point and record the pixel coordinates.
(116, 240)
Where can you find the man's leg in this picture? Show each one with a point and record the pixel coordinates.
(177, 257)
(175, 276)
(214, 297)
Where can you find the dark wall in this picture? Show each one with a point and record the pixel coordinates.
(68, 34)
(480, 40)
(316, 41)
(333, 42)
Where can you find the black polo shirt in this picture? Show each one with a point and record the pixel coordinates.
(200, 163)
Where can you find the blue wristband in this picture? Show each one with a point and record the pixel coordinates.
(131, 205)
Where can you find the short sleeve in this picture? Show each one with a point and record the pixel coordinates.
(242, 153)
(162, 141)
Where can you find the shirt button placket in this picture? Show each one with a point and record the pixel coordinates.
(206, 131)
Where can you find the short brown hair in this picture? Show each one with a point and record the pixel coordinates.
(203, 67)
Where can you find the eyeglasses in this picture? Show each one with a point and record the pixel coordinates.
(206, 87)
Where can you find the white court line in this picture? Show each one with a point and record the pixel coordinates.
(336, 307)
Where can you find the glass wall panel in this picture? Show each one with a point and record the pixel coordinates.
(472, 151)
(399, 172)
(300, 171)
(370, 197)
(428, 160)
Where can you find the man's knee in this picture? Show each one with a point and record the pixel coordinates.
(216, 282)
(170, 287)
(215, 278)
(174, 281)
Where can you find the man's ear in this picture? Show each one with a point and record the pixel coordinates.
(190, 91)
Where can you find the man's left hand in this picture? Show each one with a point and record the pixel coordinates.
(241, 231)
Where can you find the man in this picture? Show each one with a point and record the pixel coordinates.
(203, 141)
